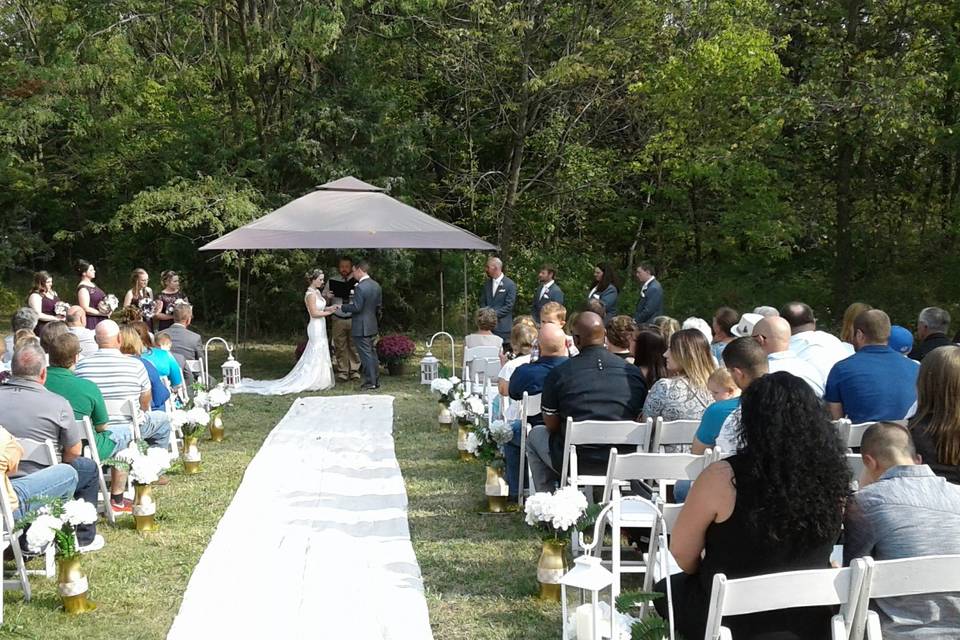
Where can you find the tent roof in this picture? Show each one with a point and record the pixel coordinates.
(348, 214)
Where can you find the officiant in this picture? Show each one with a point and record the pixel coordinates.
(346, 361)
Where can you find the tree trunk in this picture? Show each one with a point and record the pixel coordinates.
(843, 243)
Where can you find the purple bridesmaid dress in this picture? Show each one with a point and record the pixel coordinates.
(96, 296)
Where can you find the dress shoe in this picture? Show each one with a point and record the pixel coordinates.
(369, 387)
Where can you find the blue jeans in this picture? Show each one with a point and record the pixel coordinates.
(57, 481)
(88, 487)
(680, 491)
(511, 454)
(156, 429)
(121, 435)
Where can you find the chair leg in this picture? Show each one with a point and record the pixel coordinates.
(523, 460)
(105, 492)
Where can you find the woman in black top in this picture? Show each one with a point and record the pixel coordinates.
(775, 506)
(936, 425)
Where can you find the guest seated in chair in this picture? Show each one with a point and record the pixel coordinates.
(28, 410)
(24, 319)
(620, 337)
(936, 425)
(121, 377)
(77, 325)
(776, 505)
(27, 491)
(486, 320)
(184, 343)
(596, 385)
(683, 394)
(900, 504)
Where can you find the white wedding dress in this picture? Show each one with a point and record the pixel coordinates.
(314, 370)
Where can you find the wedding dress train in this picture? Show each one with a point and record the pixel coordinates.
(314, 370)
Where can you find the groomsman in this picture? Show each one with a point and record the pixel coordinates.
(500, 294)
(346, 362)
(650, 304)
(548, 291)
(364, 310)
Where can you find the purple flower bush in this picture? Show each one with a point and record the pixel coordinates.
(395, 348)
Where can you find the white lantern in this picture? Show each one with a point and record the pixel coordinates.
(231, 372)
(588, 575)
(429, 368)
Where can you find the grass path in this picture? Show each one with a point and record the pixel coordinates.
(479, 570)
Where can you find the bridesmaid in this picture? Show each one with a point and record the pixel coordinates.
(43, 299)
(166, 299)
(139, 279)
(606, 288)
(89, 295)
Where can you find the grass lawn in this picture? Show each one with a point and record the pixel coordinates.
(479, 570)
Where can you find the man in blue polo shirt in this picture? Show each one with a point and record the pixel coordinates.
(876, 383)
(529, 378)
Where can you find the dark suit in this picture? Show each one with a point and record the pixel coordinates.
(553, 294)
(365, 309)
(650, 304)
(928, 344)
(502, 302)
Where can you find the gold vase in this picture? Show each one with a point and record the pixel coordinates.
(144, 508)
(462, 432)
(216, 429)
(191, 455)
(72, 586)
(496, 490)
(551, 567)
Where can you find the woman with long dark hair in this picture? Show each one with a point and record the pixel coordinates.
(777, 505)
(606, 289)
(648, 349)
(89, 295)
(43, 299)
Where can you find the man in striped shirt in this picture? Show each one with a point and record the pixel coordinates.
(122, 377)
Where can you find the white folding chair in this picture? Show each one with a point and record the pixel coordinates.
(787, 590)
(479, 360)
(906, 577)
(128, 410)
(11, 539)
(634, 513)
(90, 451)
(855, 434)
(842, 426)
(529, 406)
(43, 453)
(673, 433)
(199, 372)
(855, 464)
(599, 432)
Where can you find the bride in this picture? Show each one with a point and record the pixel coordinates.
(314, 371)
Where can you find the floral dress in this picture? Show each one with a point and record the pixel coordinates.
(168, 300)
(676, 399)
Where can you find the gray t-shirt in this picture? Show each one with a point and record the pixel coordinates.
(28, 410)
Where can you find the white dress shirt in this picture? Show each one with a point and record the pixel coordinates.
(789, 362)
(820, 349)
(545, 288)
(496, 285)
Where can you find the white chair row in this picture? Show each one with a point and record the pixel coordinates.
(482, 362)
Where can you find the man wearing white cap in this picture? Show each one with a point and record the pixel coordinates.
(744, 328)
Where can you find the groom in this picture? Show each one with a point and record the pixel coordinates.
(365, 307)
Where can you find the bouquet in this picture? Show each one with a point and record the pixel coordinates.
(395, 349)
(147, 308)
(144, 464)
(557, 512)
(60, 309)
(446, 390)
(486, 440)
(56, 523)
(191, 422)
(174, 304)
(212, 401)
(108, 305)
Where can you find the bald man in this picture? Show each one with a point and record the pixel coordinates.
(595, 385)
(500, 294)
(123, 377)
(903, 510)
(773, 335)
(77, 325)
(529, 378)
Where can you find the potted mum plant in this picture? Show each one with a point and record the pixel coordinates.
(394, 351)
(56, 523)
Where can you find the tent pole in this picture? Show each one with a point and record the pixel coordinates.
(466, 320)
(236, 339)
(442, 304)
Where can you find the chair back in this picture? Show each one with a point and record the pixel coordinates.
(670, 514)
(787, 590)
(651, 466)
(600, 432)
(673, 432)
(481, 361)
(41, 452)
(855, 464)
(843, 430)
(91, 452)
(529, 406)
(855, 435)
(10, 539)
(127, 410)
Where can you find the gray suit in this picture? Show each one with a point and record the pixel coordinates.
(364, 309)
(650, 304)
(502, 302)
(187, 345)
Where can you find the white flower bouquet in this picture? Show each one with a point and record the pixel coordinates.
(148, 307)
(557, 512)
(56, 523)
(60, 309)
(446, 390)
(145, 465)
(108, 305)
(191, 421)
(174, 304)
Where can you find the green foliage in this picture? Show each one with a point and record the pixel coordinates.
(755, 151)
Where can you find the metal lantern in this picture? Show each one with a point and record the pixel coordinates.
(588, 575)
(230, 368)
(429, 368)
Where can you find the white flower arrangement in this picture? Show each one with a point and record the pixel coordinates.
(475, 406)
(108, 305)
(189, 421)
(56, 523)
(145, 467)
(472, 443)
(501, 432)
(559, 510)
(61, 308)
(458, 408)
(446, 390)
(218, 396)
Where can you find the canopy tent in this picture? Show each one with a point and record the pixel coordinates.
(348, 214)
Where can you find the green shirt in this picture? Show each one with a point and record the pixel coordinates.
(85, 399)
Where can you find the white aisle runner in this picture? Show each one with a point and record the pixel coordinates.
(315, 543)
